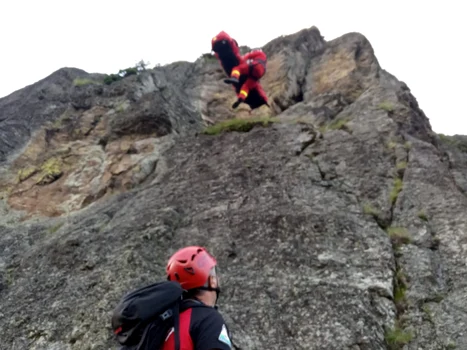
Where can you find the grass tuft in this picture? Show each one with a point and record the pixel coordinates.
(239, 125)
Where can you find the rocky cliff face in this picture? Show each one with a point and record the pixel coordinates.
(340, 223)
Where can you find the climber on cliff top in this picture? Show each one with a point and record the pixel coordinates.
(244, 72)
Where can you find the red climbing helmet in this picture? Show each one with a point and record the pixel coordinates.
(190, 266)
(223, 39)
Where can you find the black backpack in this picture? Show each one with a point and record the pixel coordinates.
(143, 318)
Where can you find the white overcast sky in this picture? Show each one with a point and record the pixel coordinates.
(422, 43)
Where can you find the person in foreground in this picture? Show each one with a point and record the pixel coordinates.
(177, 314)
(201, 328)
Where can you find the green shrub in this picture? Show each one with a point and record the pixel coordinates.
(396, 338)
(458, 141)
(339, 124)
(401, 165)
(422, 215)
(387, 106)
(399, 235)
(123, 73)
(83, 81)
(370, 210)
(395, 190)
(110, 78)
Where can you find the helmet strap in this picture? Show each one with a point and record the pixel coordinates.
(217, 290)
(210, 289)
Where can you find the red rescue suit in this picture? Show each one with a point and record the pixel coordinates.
(244, 72)
(254, 67)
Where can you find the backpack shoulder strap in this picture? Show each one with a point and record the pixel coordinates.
(176, 316)
(184, 305)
